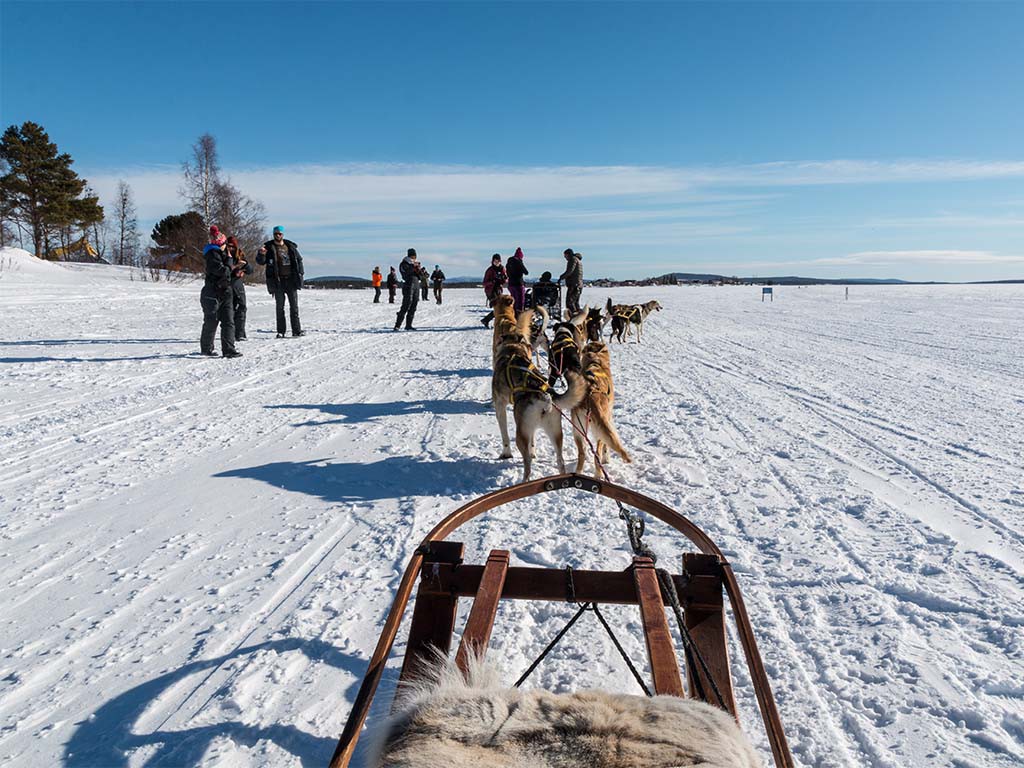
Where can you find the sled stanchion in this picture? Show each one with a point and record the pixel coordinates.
(660, 648)
(485, 608)
(706, 623)
(433, 616)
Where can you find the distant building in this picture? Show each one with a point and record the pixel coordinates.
(176, 262)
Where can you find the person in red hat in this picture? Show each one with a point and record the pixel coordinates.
(215, 299)
(516, 270)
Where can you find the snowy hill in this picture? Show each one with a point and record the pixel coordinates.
(198, 553)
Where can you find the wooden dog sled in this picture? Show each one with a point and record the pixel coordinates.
(699, 587)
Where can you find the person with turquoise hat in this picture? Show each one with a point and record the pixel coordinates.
(284, 278)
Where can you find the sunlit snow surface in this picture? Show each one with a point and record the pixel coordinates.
(196, 555)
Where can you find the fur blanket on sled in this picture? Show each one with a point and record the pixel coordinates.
(451, 721)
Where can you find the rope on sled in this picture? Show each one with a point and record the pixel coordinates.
(583, 608)
(635, 527)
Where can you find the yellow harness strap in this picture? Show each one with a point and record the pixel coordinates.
(528, 373)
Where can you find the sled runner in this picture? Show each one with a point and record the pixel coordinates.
(694, 597)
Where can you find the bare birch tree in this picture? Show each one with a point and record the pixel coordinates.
(126, 247)
(202, 174)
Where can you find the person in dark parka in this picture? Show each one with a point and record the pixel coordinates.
(412, 275)
(437, 276)
(240, 267)
(516, 270)
(284, 278)
(216, 299)
(573, 277)
(424, 284)
(392, 285)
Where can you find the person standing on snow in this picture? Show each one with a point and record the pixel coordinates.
(392, 285)
(239, 269)
(516, 270)
(284, 278)
(573, 277)
(215, 299)
(424, 284)
(412, 274)
(494, 280)
(376, 277)
(437, 276)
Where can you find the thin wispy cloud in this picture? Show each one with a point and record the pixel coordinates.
(895, 258)
(627, 218)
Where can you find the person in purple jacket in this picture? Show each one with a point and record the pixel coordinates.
(516, 270)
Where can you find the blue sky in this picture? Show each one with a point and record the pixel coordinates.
(835, 140)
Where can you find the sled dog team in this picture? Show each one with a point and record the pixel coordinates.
(576, 354)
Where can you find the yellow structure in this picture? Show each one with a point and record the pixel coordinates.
(74, 251)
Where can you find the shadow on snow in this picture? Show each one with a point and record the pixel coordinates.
(362, 412)
(463, 373)
(391, 478)
(106, 737)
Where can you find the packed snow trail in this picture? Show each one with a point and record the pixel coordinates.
(198, 554)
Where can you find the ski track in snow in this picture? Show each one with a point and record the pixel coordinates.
(198, 554)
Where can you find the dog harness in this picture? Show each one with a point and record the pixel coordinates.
(629, 314)
(594, 376)
(560, 343)
(523, 378)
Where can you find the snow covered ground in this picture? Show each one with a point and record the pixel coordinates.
(197, 554)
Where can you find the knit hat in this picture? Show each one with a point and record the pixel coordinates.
(279, 229)
(411, 252)
(567, 252)
(496, 256)
(218, 239)
(518, 254)
(214, 231)
(545, 276)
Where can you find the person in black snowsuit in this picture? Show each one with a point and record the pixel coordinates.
(573, 277)
(239, 269)
(284, 278)
(216, 299)
(392, 285)
(412, 275)
(437, 276)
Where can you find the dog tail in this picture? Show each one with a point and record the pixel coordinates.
(574, 395)
(608, 306)
(605, 431)
(523, 323)
(543, 320)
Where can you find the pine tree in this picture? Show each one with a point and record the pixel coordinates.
(39, 188)
(183, 233)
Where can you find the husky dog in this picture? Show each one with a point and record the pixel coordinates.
(625, 316)
(564, 349)
(539, 333)
(595, 323)
(594, 413)
(504, 320)
(517, 380)
(468, 721)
